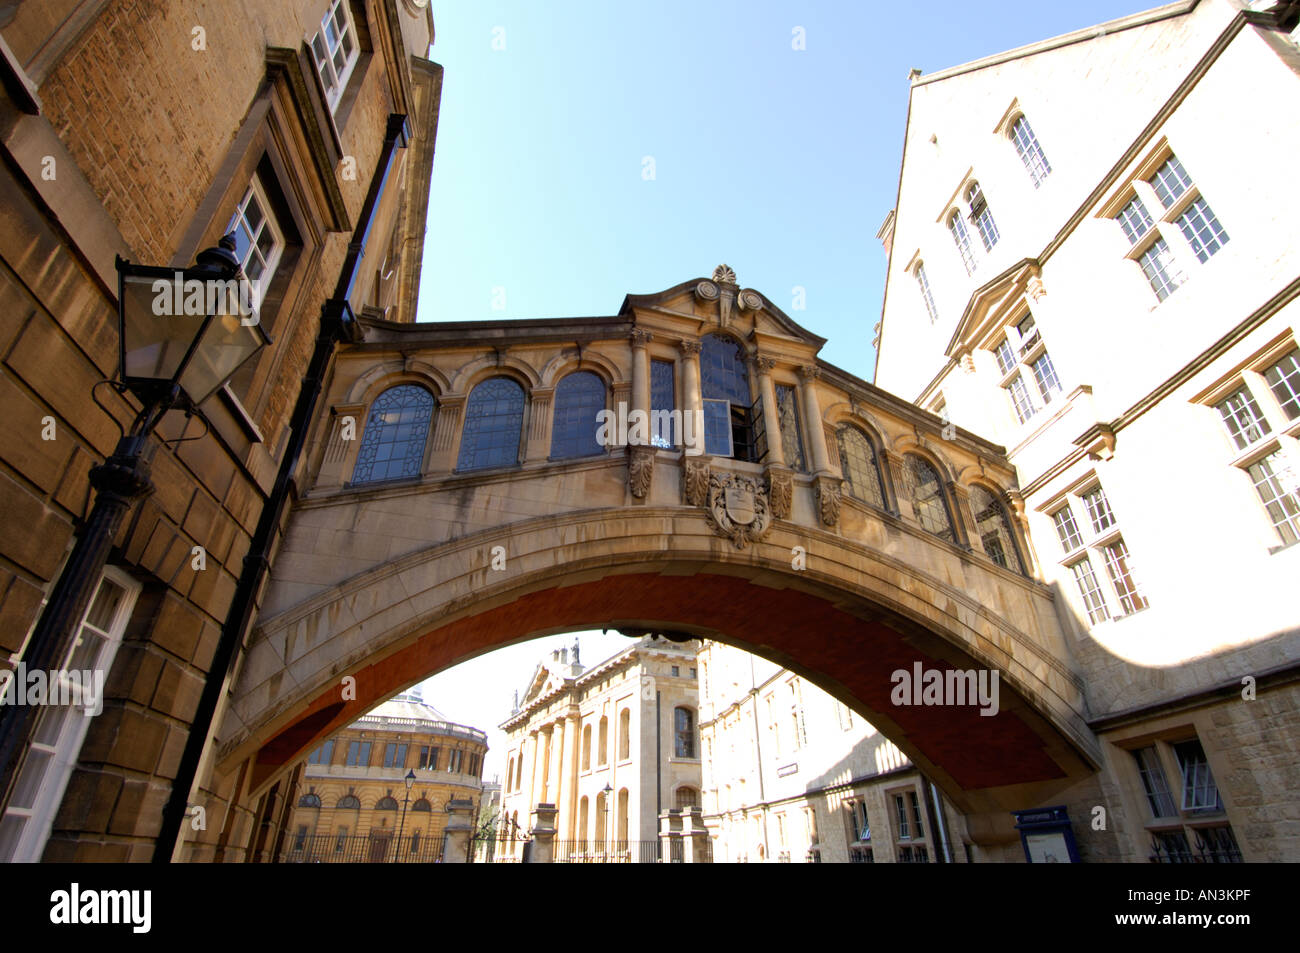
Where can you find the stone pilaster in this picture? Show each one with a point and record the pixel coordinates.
(538, 446)
(771, 420)
(812, 413)
(963, 518)
(446, 433)
(692, 396)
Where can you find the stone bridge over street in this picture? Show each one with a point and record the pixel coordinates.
(460, 498)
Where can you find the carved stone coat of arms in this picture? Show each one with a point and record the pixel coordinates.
(738, 507)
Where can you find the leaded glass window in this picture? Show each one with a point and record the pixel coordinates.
(928, 498)
(994, 528)
(1242, 416)
(1170, 182)
(961, 238)
(1282, 502)
(1284, 380)
(923, 283)
(982, 217)
(1045, 377)
(1099, 511)
(1031, 153)
(1067, 529)
(723, 375)
(1161, 270)
(663, 401)
(392, 446)
(1159, 799)
(1119, 567)
(579, 399)
(1202, 229)
(1020, 398)
(494, 421)
(787, 412)
(1090, 591)
(1134, 219)
(858, 459)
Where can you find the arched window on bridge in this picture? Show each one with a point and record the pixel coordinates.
(386, 803)
(422, 805)
(579, 397)
(730, 411)
(494, 423)
(309, 800)
(392, 446)
(994, 527)
(349, 802)
(928, 498)
(861, 469)
(686, 796)
(683, 733)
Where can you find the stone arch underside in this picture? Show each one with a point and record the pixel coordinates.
(847, 622)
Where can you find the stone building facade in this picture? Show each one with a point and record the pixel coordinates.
(611, 746)
(1084, 267)
(792, 775)
(350, 800)
(148, 129)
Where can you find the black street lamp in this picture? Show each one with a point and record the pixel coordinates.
(409, 779)
(607, 838)
(182, 333)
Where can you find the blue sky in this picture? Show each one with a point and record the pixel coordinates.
(780, 162)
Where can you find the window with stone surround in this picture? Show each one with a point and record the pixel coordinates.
(335, 49)
(397, 428)
(929, 500)
(1029, 150)
(1186, 821)
(579, 399)
(993, 526)
(59, 729)
(1028, 374)
(1259, 411)
(860, 465)
(684, 733)
(1097, 548)
(1184, 226)
(493, 429)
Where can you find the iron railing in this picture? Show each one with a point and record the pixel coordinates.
(615, 852)
(360, 849)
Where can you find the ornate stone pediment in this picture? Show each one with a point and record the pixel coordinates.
(739, 508)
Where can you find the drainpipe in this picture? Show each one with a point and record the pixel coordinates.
(758, 753)
(659, 767)
(338, 323)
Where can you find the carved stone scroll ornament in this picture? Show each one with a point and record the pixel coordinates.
(780, 488)
(738, 508)
(640, 470)
(828, 499)
(695, 481)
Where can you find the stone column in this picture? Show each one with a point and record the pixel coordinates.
(640, 370)
(534, 743)
(670, 833)
(446, 433)
(771, 421)
(543, 834)
(544, 757)
(693, 399)
(568, 804)
(897, 493)
(556, 788)
(456, 835)
(812, 414)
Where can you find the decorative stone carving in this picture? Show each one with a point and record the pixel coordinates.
(724, 275)
(809, 372)
(640, 338)
(780, 489)
(738, 508)
(764, 364)
(690, 347)
(695, 481)
(1034, 288)
(706, 291)
(640, 470)
(750, 300)
(828, 499)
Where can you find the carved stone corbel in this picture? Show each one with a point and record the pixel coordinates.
(828, 490)
(780, 489)
(695, 480)
(640, 470)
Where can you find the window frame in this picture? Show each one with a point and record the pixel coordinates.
(1029, 149)
(1092, 546)
(1018, 354)
(64, 752)
(334, 94)
(1187, 824)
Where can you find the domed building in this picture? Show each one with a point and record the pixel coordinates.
(354, 803)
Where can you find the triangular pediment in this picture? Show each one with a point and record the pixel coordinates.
(720, 303)
(544, 681)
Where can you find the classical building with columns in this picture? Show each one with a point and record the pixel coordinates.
(353, 803)
(1086, 266)
(611, 747)
(792, 775)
